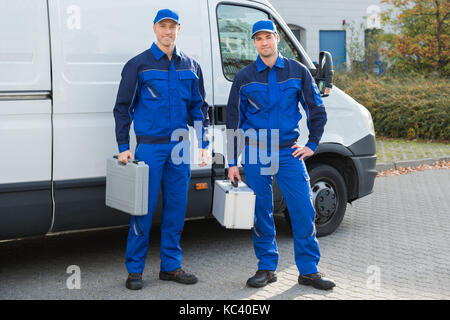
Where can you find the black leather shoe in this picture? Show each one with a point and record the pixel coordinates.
(261, 278)
(178, 275)
(316, 280)
(134, 281)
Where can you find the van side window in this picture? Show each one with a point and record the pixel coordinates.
(235, 30)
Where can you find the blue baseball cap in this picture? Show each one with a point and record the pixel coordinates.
(263, 25)
(166, 14)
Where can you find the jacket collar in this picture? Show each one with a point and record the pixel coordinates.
(158, 53)
(260, 65)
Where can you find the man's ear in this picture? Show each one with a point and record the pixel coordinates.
(278, 38)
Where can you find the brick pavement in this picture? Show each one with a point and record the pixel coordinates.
(390, 156)
(400, 232)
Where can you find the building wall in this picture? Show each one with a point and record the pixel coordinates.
(314, 16)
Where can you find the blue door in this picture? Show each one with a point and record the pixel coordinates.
(334, 42)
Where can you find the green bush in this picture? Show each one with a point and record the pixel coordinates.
(407, 106)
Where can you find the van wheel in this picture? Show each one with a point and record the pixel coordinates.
(329, 195)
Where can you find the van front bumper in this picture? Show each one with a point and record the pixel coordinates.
(364, 159)
(366, 170)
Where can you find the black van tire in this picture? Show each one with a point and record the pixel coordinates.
(325, 182)
(325, 178)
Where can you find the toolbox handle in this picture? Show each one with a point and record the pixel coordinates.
(235, 183)
(129, 160)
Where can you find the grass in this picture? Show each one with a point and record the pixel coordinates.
(402, 149)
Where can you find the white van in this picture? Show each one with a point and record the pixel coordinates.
(60, 65)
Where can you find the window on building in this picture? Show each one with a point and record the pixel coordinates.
(299, 33)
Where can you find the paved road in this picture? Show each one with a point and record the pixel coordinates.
(393, 244)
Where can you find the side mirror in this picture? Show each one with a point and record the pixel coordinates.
(325, 73)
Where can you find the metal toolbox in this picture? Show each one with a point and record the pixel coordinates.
(127, 186)
(234, 206)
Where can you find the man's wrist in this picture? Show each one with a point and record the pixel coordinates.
(124, 147)
(311, 145)
(203, 145)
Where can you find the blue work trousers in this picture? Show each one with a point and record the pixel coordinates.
(173, 178)
(293, 180)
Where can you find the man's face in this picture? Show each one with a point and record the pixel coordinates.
(266, 43)
(166, 31)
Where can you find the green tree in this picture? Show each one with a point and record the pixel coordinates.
(422, 35)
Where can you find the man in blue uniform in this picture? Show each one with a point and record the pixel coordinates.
(264, 99)
(161, 89)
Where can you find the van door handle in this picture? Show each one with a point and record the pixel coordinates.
(220, 114)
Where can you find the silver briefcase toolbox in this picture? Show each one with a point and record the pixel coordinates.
(127, 186)
(234, 207)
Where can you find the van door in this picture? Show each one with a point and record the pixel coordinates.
(231, 24)
(233, 49)
(91, 42)
(25, 119)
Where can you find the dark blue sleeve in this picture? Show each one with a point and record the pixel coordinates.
(233, 115)
(315, 110)
(198, 110)
(124, 107)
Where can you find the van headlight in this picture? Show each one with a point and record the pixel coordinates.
(370, 125)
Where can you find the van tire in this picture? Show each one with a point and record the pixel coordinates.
(322, 177)
(326, 181)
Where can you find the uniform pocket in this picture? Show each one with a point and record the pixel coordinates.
(291, 85)
(154, 94)
(136, 229)
(154, 84)
(256, 97)
(254, 106)
(258, 233)
(186, 84)
(187, 75)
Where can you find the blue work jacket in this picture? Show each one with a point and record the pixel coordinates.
(160, 96)
(268, 98)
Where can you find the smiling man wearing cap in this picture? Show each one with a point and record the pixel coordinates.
(160, 88)
(265, 98)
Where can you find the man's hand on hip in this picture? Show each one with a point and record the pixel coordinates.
(301, 151)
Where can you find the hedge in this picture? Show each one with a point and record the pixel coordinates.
(404, 106)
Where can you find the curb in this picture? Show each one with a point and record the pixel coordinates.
(408, 163)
